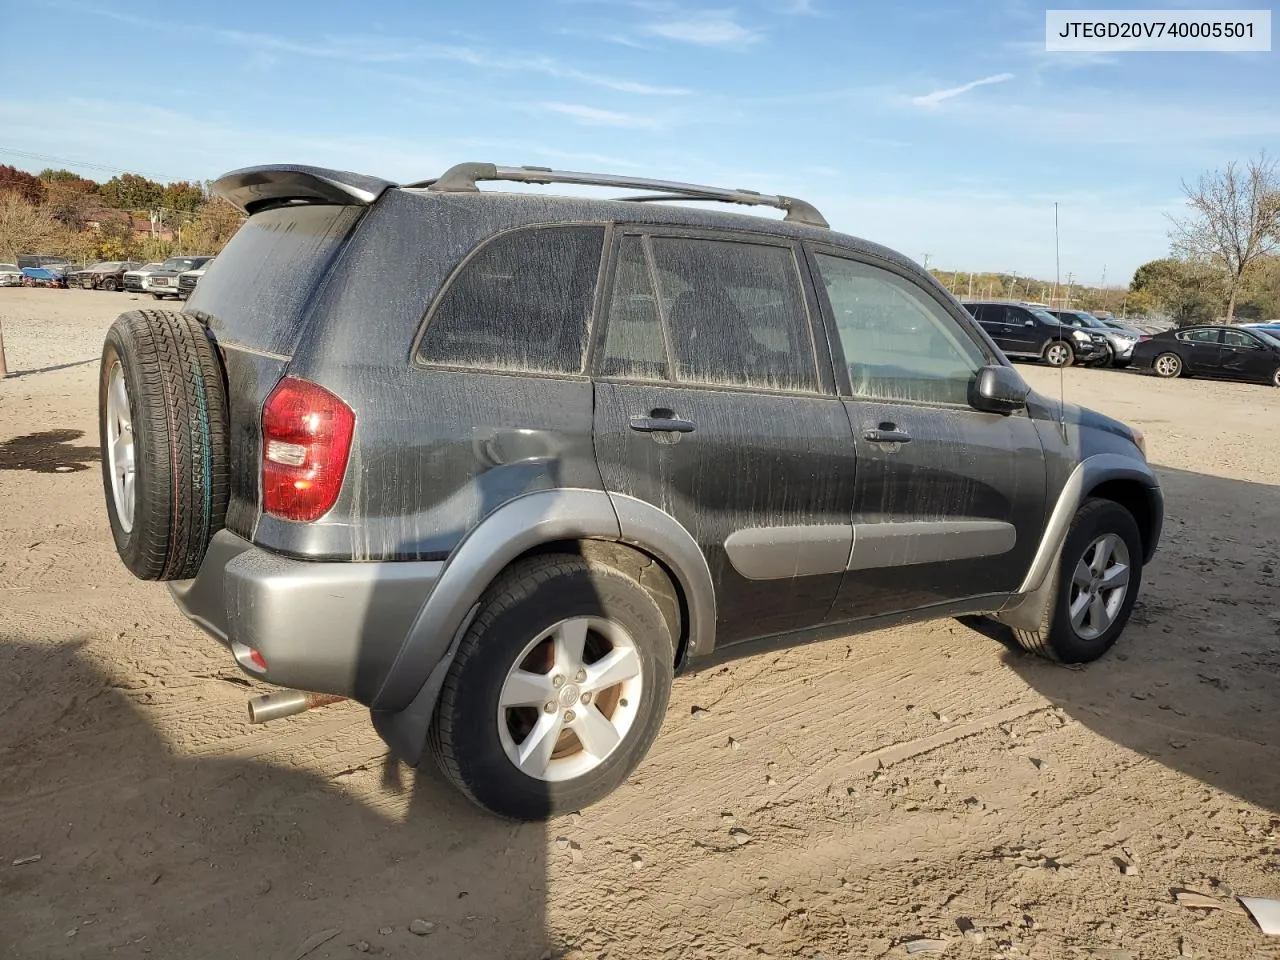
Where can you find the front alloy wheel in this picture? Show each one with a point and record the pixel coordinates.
(1096, 584)
(1058, 354)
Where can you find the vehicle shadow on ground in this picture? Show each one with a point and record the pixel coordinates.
(143, 852)
(1194, 682)
(49, 451)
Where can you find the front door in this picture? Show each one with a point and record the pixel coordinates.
(715, 402)
(949, 501)
(1244, 357)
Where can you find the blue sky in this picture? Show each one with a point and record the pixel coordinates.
(938, 128)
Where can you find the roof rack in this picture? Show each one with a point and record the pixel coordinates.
(464, 176)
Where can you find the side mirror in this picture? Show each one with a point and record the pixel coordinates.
(999, 389)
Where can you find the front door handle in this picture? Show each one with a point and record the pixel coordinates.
(886, 433)
(666, 423)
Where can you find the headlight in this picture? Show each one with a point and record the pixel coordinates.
(1140, 440)
(1081, 336)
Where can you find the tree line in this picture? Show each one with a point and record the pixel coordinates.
(129, 217)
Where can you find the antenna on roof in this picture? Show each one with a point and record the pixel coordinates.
(1062, 370)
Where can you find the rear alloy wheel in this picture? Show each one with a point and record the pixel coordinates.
(1275, 378)
(557, 690)
(1059, 354)
(1096, 584)
(1167, 365)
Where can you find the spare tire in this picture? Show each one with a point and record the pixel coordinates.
(162, 428)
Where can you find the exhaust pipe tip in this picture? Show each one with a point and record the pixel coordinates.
(273, 706)
(286, 703)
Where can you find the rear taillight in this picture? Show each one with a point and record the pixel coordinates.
(306, 439)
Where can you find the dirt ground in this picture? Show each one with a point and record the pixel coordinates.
(838, 800)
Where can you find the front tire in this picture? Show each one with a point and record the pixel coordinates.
(1058, 353)
(574, 661)
(109, 285)
(1096, 583)
(1275, 378)
(1167, 366)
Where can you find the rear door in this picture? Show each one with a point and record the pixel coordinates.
(1204, 352)
(949, 501)
(1027, 332)
(715, 402)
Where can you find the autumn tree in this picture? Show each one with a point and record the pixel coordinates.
(129, 191)
(26, 185)
(1233, 223)
(26, 227)
(183, 196)
(216, 222)
(1189, 291)
(72, 201)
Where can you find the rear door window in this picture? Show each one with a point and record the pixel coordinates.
(735, 313)
(521, 304)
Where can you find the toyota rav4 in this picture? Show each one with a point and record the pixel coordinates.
(498, 465)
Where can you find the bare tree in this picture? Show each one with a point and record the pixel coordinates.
(1234, 221)
(25, 227)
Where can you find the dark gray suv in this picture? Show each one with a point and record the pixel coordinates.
(498, 465)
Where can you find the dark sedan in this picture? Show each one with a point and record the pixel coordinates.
(1229, 353)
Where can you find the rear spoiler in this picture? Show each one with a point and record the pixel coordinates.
(251, 189)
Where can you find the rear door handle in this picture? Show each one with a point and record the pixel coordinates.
(669, 424)
(887, 435)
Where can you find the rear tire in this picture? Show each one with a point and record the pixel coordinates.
(1167, 366)
(1080, 639)
(1275, 378)
(535, 598)
(162, 429)
(1058, 353)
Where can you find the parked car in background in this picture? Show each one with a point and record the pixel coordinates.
(1028, 332)
(132, 279)
(108, 275)
(54, 275)
(187, 281)
(1222, 352)
(163, 283)
(41, 260)
(10, 275)
(1120, 343)
(1271, 328)
(497, 466)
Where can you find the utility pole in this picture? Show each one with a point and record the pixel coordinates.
(970, 284)
(926, 262)
(1067, 305)
(1013, 290)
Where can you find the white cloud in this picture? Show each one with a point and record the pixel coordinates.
(704, 28)
(595, 116)
(937, 96)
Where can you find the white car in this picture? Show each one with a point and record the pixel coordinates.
(10, 275)
(133, 279)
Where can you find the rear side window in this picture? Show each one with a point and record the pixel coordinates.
(257, 289)
(1200, 336)
(735, 314)
(522, 303)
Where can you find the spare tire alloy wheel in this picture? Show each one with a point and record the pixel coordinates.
(1058, 354)
(162, 429)
(1167, 365)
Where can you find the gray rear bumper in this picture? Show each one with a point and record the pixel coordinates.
(328, 627)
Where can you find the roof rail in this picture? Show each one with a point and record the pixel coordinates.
(463, 178)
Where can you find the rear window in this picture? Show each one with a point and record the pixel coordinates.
(257, 290)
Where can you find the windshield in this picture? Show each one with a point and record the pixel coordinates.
(9, 266)
(181, 263)
(1044, 316)
(1269, 337)
(107, 265)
